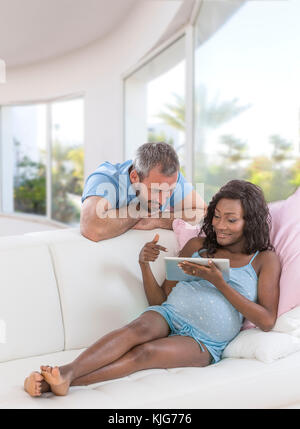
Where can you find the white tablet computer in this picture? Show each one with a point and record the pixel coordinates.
(173, 272)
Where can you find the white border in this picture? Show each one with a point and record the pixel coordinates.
(2, 71)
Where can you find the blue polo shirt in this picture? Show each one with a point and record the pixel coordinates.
(112, 182)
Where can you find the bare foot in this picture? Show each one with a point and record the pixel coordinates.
(59, 384)
(35, 384)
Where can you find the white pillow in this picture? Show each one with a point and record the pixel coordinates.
(289, 322)
(264, 346)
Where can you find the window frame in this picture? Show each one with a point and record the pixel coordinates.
(188, 33)
(47, 102)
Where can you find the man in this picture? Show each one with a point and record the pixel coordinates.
(146, 193)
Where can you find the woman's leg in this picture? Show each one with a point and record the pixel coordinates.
(150, 325)
(171, 352)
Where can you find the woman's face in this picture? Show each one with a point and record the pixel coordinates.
(228, 222)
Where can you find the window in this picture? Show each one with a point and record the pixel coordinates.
(23, 166)
(247, 98)
(42, 159)
(67, 160)
(155, 102)
(241, 81)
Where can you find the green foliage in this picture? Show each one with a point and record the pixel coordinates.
(174, 115)
(63, 209)
(276, 179)
(30, 187)
(277, 175)
(281, 148)
(154, 137)
(235, 149)
(76, 156)
(272, 174)
(295, 170)
(67, 180)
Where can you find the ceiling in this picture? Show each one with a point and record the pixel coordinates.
(36, 30)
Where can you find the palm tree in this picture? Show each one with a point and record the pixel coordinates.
(236, 149)
(174, 116)
(67, 177)
(213, 114)
(281, 149)
(209, 114)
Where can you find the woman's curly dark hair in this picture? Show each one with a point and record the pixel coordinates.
(256, 215)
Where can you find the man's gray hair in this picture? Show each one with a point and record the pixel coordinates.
(150, 155)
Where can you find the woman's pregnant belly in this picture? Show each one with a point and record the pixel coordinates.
(205, 308)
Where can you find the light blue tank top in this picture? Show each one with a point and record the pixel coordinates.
(205, 308)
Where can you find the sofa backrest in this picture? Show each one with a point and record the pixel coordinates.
(30, 314)
(73, 290)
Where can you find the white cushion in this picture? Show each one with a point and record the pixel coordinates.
(100, 284)
(231, 383)
(281, 341)
(289, 322)
(29, 301)
(264, 346)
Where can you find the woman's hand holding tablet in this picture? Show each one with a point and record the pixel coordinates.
(187, 269)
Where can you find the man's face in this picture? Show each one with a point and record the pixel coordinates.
(155, 189)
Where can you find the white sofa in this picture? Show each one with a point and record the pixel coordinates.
(59, 292)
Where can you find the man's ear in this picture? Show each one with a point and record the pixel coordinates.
(134, 177)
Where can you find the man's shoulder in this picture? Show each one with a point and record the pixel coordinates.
(183, 183)
(180, 177)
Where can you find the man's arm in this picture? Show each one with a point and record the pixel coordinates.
(98, 221)
(193, 207)
(192, 210)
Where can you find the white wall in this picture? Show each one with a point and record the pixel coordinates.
(95, 71)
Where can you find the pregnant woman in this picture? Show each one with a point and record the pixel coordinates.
(188, 323)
